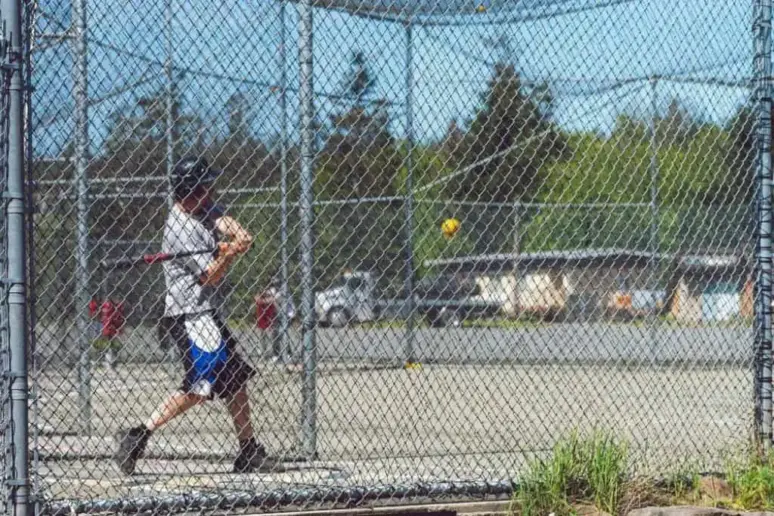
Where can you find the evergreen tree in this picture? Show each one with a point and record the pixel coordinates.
(360, 158)
(508, 140)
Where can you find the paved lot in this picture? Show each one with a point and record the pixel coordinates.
(571, 343)
(485, 402)
(381, 426)
(556, 343)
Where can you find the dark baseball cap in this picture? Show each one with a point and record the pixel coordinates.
(191, 172)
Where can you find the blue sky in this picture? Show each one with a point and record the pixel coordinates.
(227, 49)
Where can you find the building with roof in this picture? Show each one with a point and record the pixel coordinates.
(589, 284)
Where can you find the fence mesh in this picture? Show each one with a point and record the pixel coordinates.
(599, 159)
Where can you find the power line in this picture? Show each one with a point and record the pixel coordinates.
(707, 82)
(484, 161)
(704, 68)
(678, 76)
(116, 92)
(274, 87)
(214, 75)
(606, 88)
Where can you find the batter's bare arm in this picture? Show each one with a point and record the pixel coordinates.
(218, 267)
(230, 228)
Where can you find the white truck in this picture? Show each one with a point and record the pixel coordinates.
(354, 297)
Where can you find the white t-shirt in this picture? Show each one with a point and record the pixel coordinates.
(185, 295)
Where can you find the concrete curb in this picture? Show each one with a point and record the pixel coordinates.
(688, 510)
(488, 508)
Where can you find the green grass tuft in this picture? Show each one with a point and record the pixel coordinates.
(607, 471)
(752, 482)
(580, 469)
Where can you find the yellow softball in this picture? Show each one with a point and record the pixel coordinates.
(449, 227)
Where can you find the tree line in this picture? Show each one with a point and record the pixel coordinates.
(513, 177)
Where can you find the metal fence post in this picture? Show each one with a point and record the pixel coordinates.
(517, 223)
(33, 362)
(408, 351)
(284, 288)
(82, 274)
(18, 480)
(763, 249)
(306, 208)
(654, 225)
(170, 99)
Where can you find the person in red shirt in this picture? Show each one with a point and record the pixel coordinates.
(112, 319)
(266, 318)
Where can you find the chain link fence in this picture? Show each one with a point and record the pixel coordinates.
(602, 159)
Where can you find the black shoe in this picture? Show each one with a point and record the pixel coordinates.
(251, 456)
(131, 446)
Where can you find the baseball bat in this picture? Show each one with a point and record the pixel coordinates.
(151, 258)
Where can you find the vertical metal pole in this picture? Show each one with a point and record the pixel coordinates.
(170, 98)
(17, 261)
(306, 209)
(169, 107)
(6, 418)
(654, 243)
(409, 351)
(516, 256)
(81, 88)
(763, 249)
(31, 254)
(284, 289)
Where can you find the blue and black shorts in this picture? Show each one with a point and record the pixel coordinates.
(213, 366)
